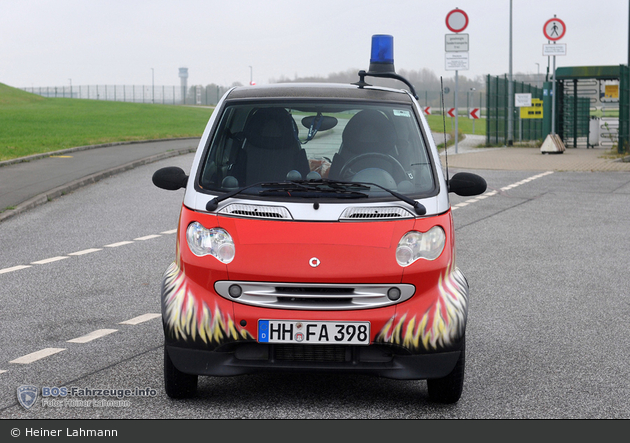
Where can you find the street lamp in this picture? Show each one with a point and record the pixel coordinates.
(251, 76)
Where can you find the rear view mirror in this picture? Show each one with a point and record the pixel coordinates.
(170, 178)
(467, 184)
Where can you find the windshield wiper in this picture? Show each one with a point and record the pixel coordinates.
(302, 188)
(418, 207)
(314, 189)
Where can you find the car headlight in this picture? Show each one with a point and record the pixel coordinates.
(216, 242)
(415, 245)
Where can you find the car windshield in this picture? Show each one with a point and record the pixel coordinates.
(276, 143)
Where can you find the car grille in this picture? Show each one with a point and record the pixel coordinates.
(313, 296)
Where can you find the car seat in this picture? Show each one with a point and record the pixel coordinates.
(369, 131)
(271, 148)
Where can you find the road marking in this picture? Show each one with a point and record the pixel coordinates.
(85, 251)
(2, 371)
(14, 268)
(49, 260)
(92, 336)
(120, 243)
(147, 237)
(38, 355)
(505, 188)
(139, 319)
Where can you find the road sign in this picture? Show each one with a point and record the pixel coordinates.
(555, 49)
(535, 111)
(522, 100)
(451, 112)
(554, 29)
(456, 42)
(456, 20)
(456, 61)
(473, 113)
(427, 110)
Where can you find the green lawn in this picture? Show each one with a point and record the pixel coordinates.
(464, 124)
(31, 124)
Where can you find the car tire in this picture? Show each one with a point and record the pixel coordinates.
(449, 389)
(177, 383)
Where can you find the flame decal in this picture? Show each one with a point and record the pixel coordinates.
(185, 318)
(440, 326)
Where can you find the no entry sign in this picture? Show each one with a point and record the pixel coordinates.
(456, 20)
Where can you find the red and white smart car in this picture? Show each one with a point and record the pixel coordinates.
(316, 235)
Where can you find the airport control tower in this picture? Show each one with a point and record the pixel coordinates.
(183, 75)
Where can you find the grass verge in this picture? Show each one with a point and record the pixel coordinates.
(32, 124)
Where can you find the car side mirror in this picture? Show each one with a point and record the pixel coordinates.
(170, 178)
(467, 184)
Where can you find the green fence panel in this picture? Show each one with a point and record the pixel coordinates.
(498, 111)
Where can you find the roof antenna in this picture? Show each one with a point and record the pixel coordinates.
(444, 125)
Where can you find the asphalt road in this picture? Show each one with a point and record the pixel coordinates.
(548, 334)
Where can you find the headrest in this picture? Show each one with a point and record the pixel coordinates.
(270, 128)
(369, 131)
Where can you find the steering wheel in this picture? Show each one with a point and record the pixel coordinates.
(398, 171)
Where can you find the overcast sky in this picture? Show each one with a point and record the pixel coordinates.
(89, 42)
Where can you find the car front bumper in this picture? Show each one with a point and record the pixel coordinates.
(251, 358)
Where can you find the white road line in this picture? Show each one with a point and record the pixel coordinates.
(38, 355)
(120, 243)
(92, 336)
(505, 188)
(147, 237)
(49, 260)
(140, 319)
(3, 371)
(85, 251)
(14, 268)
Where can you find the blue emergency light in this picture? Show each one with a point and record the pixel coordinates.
(382, 59)
(382, 62)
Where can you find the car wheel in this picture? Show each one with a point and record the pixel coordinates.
(177, 383)
(449, 389)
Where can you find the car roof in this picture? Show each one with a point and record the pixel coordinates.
(318, 91)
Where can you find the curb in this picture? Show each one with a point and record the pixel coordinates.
(29, 158)
(93, 178)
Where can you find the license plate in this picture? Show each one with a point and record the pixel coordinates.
(313, 332)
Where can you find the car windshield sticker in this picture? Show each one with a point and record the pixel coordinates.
(400, 113)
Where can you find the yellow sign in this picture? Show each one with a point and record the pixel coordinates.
(611, 91)
(533, 111)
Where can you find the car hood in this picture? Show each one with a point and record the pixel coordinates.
(315, 252)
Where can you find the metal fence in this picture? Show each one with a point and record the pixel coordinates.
(210, 95)
(498, 112)
(166, 95)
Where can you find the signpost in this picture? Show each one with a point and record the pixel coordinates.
(427, 110)
(553, 29)
(456, 52)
